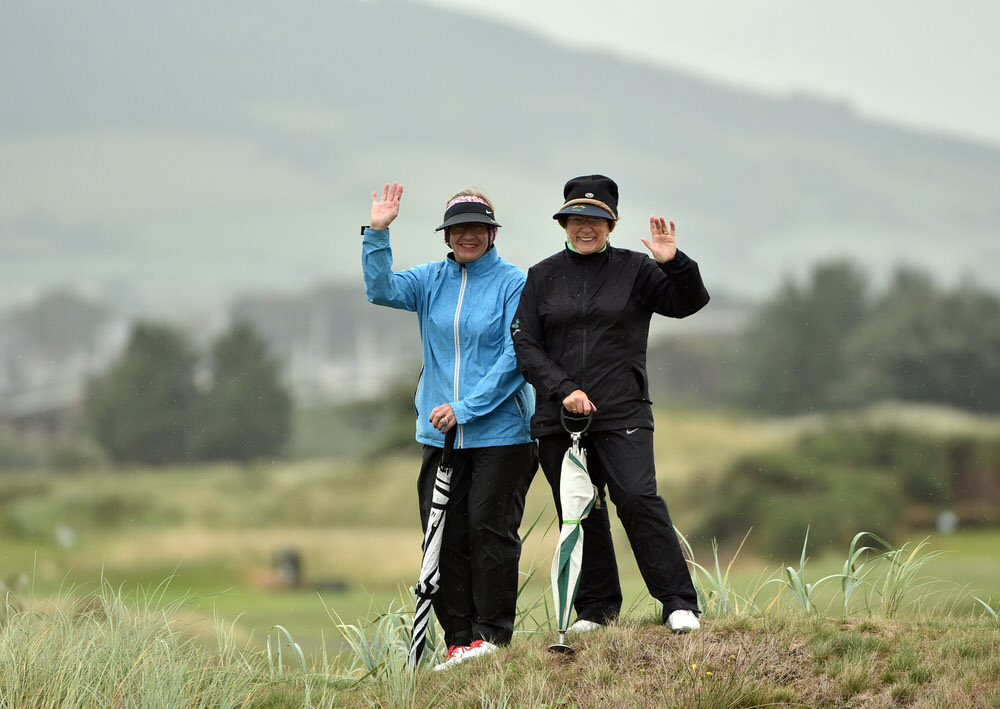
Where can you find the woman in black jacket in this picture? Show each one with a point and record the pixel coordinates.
(580, 333)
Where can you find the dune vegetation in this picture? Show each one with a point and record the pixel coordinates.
(160, 587)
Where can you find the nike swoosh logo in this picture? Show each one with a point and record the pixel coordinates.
(630, 431)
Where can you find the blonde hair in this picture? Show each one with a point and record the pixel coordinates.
(471, 193)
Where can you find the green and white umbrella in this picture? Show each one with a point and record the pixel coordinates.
(577, 496)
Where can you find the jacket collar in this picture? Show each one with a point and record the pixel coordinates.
(576, 257)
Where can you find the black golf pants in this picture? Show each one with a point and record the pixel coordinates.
(481, 547)
(621, 462)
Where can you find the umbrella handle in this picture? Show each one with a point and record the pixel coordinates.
(564, 417)
(449, 446)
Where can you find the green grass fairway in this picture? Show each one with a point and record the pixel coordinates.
(209, 534)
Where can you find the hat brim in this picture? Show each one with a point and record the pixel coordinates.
(468, 218)
(584, 210)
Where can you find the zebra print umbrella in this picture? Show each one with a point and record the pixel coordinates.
(430, 575)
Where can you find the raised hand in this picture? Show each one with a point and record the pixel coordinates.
(385, 210)
(662, 242)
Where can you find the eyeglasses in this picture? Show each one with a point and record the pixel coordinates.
(580, 221)
(474, 228)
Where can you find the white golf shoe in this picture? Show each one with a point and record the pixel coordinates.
(683, 621)
(583, 626)
(478, 648)
(455, 655)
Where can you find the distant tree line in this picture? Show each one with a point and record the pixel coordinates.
(151, 406)
(828, 341)
(831, 343)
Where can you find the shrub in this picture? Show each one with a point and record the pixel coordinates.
(19, 452)
(854, 475)
(781, 493)
(75, 452)
(246, 413)
(143, 408)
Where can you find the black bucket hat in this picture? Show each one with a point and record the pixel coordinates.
(590, 196)
(467, 212)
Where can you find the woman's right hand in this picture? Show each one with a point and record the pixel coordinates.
(385, 210)
(579, 403)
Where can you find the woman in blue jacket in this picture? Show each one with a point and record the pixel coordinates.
(469, 380)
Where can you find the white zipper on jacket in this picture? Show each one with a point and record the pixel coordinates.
(458, 350)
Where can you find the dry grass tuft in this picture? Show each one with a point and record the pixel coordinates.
(800, 660)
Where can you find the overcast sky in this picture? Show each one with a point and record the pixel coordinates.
(928, 64)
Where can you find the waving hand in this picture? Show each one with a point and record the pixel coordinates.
(662, 242)
(385, 210)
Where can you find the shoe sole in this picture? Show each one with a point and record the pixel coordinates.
(449, 664)
(467, 655)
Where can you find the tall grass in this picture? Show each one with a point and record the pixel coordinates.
(994, 612)
(873, 580)
(795, 581)
(902, 576)
(100, 649)
(535, 615)
(716, 595)
(861, 561)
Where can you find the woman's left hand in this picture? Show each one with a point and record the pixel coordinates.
(443, 418)
(662, 242)
(385, 210)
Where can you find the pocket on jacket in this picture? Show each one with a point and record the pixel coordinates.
(641, 381)
(525, 401)
(416, 392)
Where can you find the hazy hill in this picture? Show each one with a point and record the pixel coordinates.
(167, 154)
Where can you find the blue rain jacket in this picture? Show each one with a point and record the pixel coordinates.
(465, 313)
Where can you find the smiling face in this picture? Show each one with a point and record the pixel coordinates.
(468, 241)
(587, 235)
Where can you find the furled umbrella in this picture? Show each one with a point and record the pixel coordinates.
(430, 574)
(577, 496)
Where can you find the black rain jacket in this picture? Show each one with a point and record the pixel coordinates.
(583, 323)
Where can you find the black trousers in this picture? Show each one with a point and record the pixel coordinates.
(622, 463)
(481, 547)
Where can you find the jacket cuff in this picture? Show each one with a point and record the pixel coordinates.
(461, 412)
(374, 234)
(564, 389)
(680, 261)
